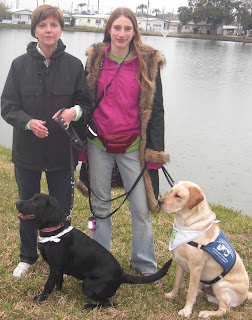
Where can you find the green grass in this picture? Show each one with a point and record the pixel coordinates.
(133, 301)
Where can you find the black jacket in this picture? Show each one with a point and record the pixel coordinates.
(33, 91)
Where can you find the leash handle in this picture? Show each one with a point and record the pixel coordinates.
(69, 130)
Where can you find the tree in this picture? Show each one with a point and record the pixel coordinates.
(215, 12)
(243, 14)
(82, 5)
(199, 14)
(4, 13)
(142, 7)
(218, 12)
(156, 11)
(72, 22)
(185, 15)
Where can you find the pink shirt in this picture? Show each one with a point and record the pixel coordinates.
(118, 111)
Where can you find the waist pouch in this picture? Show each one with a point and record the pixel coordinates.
(117, 143)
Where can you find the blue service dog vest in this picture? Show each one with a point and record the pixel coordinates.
(222, 251)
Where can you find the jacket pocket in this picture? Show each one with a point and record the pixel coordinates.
(31, 90)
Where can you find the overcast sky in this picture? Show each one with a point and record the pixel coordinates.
(105, 6)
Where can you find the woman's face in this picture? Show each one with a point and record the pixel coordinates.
(121, 33)
(48, 33)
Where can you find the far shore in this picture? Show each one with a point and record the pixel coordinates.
(147, 33)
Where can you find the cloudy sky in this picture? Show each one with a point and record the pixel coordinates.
(105, 6)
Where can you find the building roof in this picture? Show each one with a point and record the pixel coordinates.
(229, 27)
(94, 16)
(149, 19)
(19, 10)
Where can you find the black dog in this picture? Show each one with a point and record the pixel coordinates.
(69, 251)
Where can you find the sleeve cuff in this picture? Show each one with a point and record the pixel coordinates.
(78, 111)
(28, 125)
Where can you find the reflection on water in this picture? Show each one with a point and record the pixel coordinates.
(207, 95)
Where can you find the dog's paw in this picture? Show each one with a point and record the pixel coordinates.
(36, 298)
(204, 314)
(103, 304)
(89, 306)
(207, 314)
(40, 297)
(171, 295)
(185, 313)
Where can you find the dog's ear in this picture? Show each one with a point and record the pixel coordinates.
(52, 201)
(195, 197)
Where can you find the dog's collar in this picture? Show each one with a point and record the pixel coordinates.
(52, 228)
(55, 238)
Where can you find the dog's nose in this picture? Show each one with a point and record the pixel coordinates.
(160, 201)
(18, 204)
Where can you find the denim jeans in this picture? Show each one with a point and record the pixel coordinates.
(28, 182)
(101, 164)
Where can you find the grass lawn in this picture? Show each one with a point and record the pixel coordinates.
(132, 301)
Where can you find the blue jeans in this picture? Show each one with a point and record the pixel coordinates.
(101, 164)
(28, 182)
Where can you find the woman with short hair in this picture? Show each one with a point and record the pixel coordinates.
(39, 85)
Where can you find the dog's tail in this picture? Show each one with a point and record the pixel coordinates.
(128, 278)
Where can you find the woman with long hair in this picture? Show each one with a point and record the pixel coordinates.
(123, 75)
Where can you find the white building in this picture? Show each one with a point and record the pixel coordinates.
(21, 16)
(87, 20)
(67, 18)
(174, 26)
(231, 31)
(152, 24)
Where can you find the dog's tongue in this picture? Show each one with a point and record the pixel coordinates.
(23, 217)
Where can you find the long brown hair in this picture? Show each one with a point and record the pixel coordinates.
(136, 44)
(42, 13)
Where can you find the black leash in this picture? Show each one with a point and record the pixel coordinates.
(126, 194)
(168, 177)
(92, 219)
(78, 145)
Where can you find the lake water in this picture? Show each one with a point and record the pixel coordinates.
(207, 97)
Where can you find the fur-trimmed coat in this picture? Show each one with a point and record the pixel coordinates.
(151, 113)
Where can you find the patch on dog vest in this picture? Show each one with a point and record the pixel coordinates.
(222, 251)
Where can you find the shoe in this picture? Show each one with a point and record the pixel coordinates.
(21, 269)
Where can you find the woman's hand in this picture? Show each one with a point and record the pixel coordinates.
(68, 115)
(38, 128)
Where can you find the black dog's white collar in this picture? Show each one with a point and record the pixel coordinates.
(55, 238)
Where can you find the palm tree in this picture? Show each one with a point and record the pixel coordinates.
(156, 11)
(82, 5)
(142, 7)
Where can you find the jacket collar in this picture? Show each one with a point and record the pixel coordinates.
(32, 49)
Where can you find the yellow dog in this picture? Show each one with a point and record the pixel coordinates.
(225, 282)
